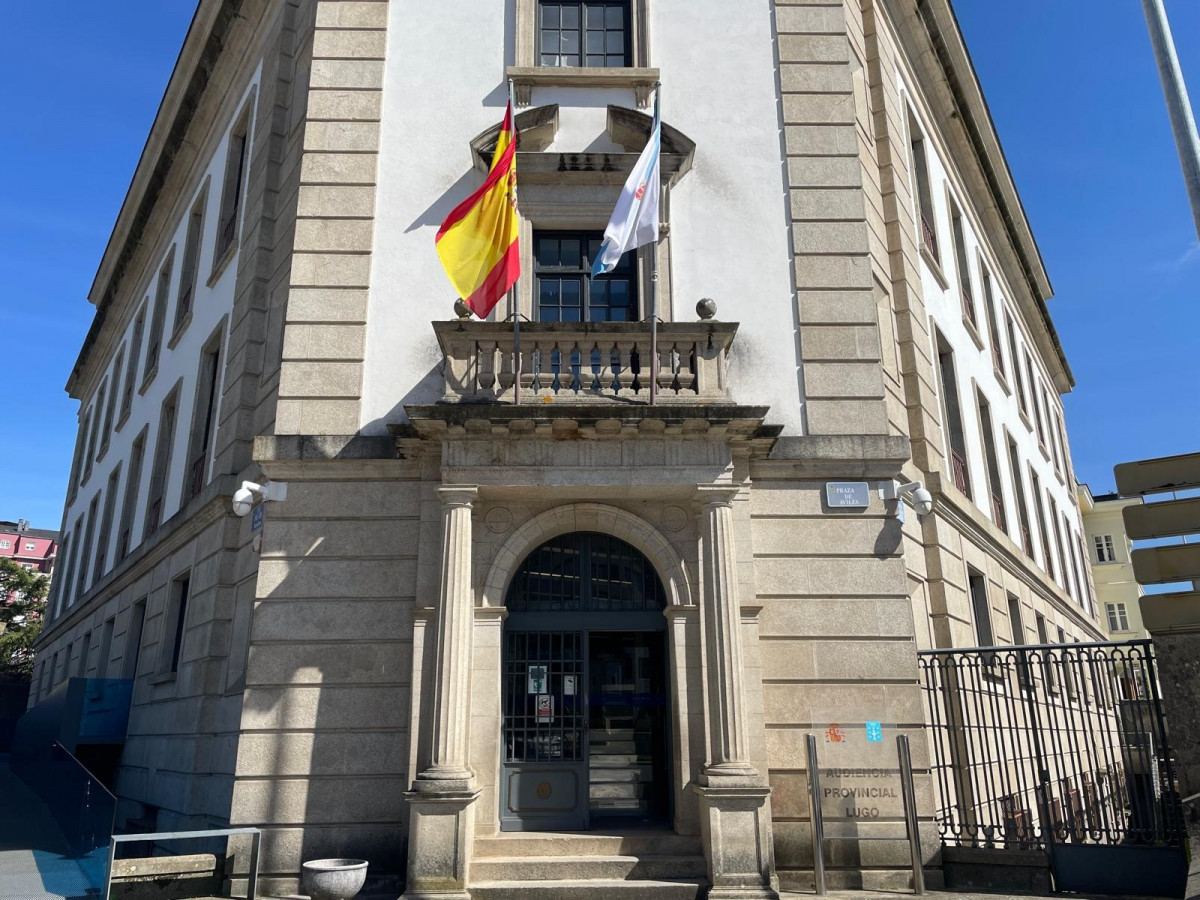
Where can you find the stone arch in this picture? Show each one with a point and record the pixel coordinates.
(600, 517)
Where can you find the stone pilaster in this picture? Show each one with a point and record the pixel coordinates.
(440, 825)
(735, 815)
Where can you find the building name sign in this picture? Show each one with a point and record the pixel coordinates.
(847, 494)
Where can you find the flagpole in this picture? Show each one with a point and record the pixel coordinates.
(654, 277)
(513, 303)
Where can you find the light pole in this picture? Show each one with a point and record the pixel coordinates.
(1183, 123)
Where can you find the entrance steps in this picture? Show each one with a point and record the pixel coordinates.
(647, 863)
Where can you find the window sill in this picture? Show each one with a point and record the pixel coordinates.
(222, 262)
(1025, 419)
(163, 678)
(935, 267)
(973, 331)
(1061, 478)
(102, 452)
(1044, 450)
(122, 420)
(180, 327)
(148, 380)
(525, 78)
(1003, 381)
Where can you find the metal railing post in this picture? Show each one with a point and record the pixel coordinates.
(252, 881)
(814, 810)
(909, 796)
(108, 873)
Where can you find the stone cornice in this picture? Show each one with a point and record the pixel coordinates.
(965, 517)
(211, 505)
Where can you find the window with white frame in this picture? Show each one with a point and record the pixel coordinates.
(1118, 619)
(5, 545)
(1105, 552)
(30, 545)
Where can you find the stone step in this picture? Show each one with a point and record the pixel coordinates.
(609, 760)
(638, 842)
(615, 789)
(613, 747)
(599, 734)
(495, 870)
(625, 773)
(592, 889)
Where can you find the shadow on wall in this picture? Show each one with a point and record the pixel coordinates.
(324, 747)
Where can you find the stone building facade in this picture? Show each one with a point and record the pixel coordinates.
(395, 665)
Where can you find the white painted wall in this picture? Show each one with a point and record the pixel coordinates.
(729, 238)
(974, 366)
(209, 304)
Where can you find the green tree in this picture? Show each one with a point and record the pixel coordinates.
(22, 614)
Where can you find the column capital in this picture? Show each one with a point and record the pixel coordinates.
(458, 494)
(717, 494)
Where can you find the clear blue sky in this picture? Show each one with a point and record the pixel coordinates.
(1071, 84)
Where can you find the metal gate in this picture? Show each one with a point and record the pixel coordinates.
(1061, 748)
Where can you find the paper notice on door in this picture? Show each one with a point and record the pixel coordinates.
(569, 685)
(545, 707)
(537, 679)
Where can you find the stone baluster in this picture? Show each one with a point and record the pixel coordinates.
(486, 382)
(687, 367)
(666, 367)
(625, 368)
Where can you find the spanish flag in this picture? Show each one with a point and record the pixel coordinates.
(478, 241)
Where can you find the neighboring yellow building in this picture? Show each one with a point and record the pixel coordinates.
(1117, 591)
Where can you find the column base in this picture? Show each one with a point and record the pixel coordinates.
(440, 833)
(735, 822)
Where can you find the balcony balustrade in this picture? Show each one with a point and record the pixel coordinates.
(594, 362)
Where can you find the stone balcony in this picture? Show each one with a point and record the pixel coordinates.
(586, 363)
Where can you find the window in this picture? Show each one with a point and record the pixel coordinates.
(90, 446)
(77, 460)
(30, 546)
(5, 545)
(1058, 544)
(925, 217)
(231, 189)
(952, 415)
(135, 350)
(980, 607)
(162, 463)
(1067, 548)
(584, 34)
(158, 320)
(133, 638)
(1068, 673)
(68, 654)
(112, 399)
(175, 625)
(1049, 434)
(1022, 397)
(566, 292)
(85, 649)
(110, 503)
(1118, 619)
(989, 303)
(105, 648)
(1016, 623)
(1047, 664)
(191, 259)
(204, 415)
(964, 269)
(85, 548)
(1105, 552)
(995, 485)
(97, 431)
(27, 566)
(1062, 442)
(60, 586)
(133, 485)
(1038, 500)
(1037, 407)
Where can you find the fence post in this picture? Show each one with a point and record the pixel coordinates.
(909, 796)
(814, 816)
(1043, 774)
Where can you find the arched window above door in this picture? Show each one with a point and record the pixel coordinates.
(586, 572)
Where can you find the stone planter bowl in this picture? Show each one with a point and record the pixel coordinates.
(333, 879)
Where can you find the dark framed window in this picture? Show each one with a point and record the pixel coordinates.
(566, 292)
(584, 33)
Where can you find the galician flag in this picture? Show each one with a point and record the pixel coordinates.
(634, 222)
(478, 241)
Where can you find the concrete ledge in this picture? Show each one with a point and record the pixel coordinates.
(167, 877)
(998, 869)
(867, 456)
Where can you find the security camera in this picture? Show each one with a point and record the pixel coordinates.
(245, 497)
(913, 492)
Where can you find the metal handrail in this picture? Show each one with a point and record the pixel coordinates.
(1000, 648)
(256, 835)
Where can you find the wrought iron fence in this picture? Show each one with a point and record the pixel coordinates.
(1050, 743)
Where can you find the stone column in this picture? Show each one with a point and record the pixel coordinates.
(440, 828)
(735, 812)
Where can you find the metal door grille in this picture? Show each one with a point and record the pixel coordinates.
(547, 723)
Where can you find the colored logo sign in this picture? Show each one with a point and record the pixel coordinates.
(875, 731)
(834, 733)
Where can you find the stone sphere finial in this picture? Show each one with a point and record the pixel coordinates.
(706, 308)
(462, 310)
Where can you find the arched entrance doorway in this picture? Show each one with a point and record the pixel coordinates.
(585, 731)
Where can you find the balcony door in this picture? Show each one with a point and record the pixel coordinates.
(564, 288)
